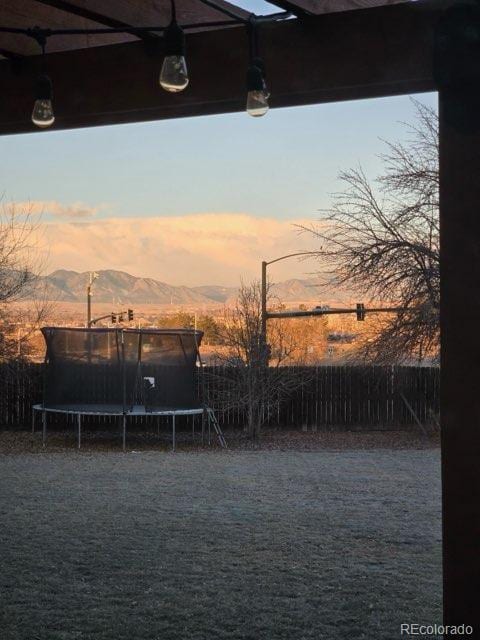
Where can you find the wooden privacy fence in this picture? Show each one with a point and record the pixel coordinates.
(331, 396)
(353, 396)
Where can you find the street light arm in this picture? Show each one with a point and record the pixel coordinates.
(95, 320)
(292, 255)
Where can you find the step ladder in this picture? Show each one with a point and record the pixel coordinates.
(212, 419)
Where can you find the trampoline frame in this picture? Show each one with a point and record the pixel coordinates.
(205, 412)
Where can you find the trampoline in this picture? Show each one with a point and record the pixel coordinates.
(124, 372)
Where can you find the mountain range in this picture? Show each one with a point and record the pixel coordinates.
(123, 288)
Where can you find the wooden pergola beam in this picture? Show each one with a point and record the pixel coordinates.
(6, 53)
(317, 7)
(378, 52)
(227, 9)
(88, 14)
(297, 8)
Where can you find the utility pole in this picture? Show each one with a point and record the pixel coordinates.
(93, 275)
(263, 328)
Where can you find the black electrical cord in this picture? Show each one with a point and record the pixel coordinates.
(40, 34)
(252, 38)
(36, 32)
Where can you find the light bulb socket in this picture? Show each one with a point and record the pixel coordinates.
(174, 40)
(256, 75)
(40, 35)
(43, 88)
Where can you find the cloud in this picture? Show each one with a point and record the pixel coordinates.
(74, 210)
(194, 249)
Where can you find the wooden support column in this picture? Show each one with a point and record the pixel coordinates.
(458, 75)
(460, 360)
(460, 396)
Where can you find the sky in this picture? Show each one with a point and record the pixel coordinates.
(196, 201)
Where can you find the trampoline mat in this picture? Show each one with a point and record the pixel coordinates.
(117, 409)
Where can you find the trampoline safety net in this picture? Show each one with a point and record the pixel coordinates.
(117, 369)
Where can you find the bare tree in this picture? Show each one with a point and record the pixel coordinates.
(383, 243)
(252, 377)
(297, 341)
(22, 298)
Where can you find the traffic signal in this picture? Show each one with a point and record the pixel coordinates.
(114, 318)
(130, 315)
(120, 317)
(360, 311)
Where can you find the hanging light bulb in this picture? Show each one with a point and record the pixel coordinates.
(258, 94)
(174, 74)
(42, 115)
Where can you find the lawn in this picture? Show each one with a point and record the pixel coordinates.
(219, 545)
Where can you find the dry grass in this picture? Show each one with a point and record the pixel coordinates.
(141, 439)
(219, 545)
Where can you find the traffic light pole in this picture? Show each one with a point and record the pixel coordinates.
(91, 278)
(264, 303)
(89, 305)
(265, 315)
(360, 311)
(115, 316)
(95, 320)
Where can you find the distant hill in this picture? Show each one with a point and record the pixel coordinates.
(119, 287)
(216, 293)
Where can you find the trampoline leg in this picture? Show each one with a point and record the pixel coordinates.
(203, 428)
(44, 428)
(33, 420)
(124, 430)
(79, 424)
(209, 430)
(173, 433)
(193, 428)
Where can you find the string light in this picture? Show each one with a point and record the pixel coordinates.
(42, 114)
(257, 91)
(174, 74)
(257, 96)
